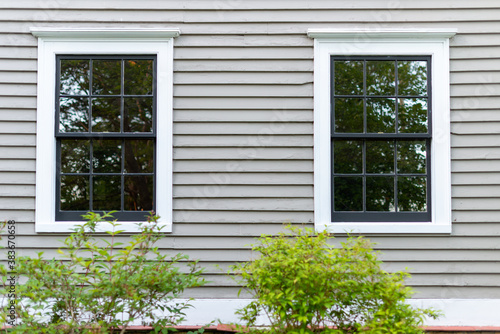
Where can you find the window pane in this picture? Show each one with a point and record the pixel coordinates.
(73, 114)
(139, 156)
(138, 77)
(380, 78)
(107, 193)
(380, 194)
(349, 115)
(348, 193)
(412, 156)
(380, 157)
(75, 156)
(412, 78)
(138, 115)
(348, 77)
(74, 78)
(412, 194)
(106, 115)
(347, 156)
(107, 156)
(138, 193)
(74, 193)
(412, 115)
(381, 115)
(106, 78)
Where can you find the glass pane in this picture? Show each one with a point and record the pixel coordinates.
(412, 156)
(106, 115)
(74, 193)
(412, 194)
(381, 115)
(380, 78)
(106, 78)
(107, 193)
(138, 193)
(348, 77)
(347, 156)
(73, 114)
(139, 156)
(138, 77)
(412, 115)
(380, 194)
(138, 113)
(412, 78)
(107, 156)
(74, 77)
(75, 156)
(349, 115)
(348, 193)
(380, 157)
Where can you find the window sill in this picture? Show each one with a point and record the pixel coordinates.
(385, 228)
(69, 226)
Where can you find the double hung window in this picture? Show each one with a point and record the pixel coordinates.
(104, 126)
(381, 138)
(105, 132)
(382, 131)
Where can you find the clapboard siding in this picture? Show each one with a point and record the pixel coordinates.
(243, 127)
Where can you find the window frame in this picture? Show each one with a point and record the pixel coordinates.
(122, 42)
(361, 42)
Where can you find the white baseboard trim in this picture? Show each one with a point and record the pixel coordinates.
(457, 312)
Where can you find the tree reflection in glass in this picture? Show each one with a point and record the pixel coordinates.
(106, 79)
(138, 193)
(73, 114)
(348, 193)
(348, 156)
(412, 78)
(74, 193)
(412, 194)
(75, 156)
(380, 121)
(412, 115)
(138, 114)
(107, 156)
(107, 193)
(412, 156)
(348, 115)
(380, 115)
(380, 156)
(138, 77)
(380, 78)
(380, 194)
(74, 79)
(111, 100)
(348, 77)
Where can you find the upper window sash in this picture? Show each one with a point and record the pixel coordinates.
(425, 42)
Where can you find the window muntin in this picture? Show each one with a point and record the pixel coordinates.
(381, 138)
(105, 136)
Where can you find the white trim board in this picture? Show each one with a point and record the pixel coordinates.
(434, 43)
(52, 42)
(457, 312)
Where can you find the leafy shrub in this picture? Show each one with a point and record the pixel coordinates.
(303, 285)
(101, 285)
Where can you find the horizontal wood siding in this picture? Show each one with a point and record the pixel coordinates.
(243, 127)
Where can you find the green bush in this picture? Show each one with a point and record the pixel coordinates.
(303, 285)
(101, 285)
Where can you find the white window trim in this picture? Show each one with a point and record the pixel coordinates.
(434, 43)
(52, 42)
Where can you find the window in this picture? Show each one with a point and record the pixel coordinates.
(105, 136)
(382, 138)
(104, 126)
